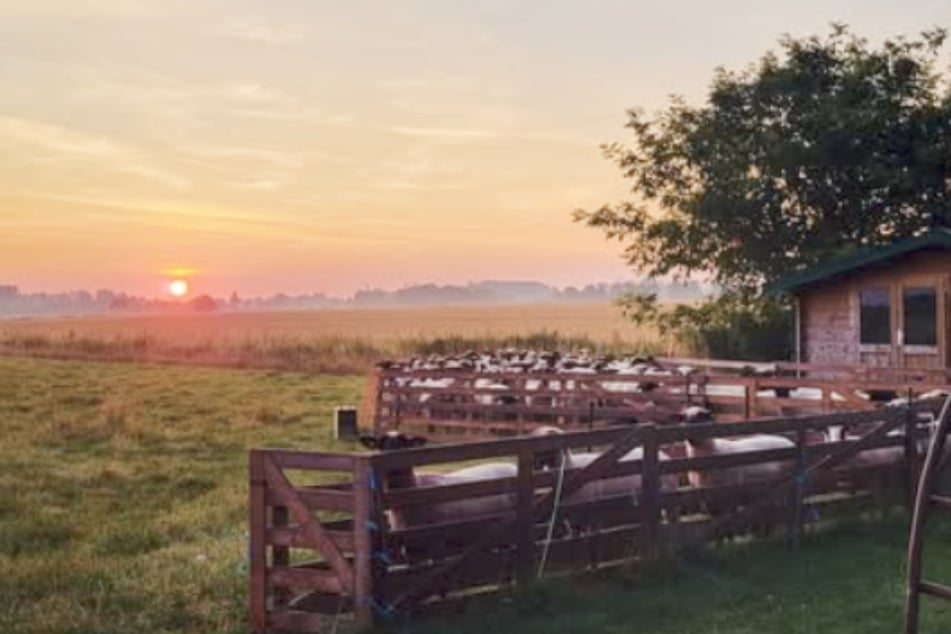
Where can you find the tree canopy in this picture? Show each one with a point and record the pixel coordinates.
(827, 146)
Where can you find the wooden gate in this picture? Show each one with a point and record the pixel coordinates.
(299, 591)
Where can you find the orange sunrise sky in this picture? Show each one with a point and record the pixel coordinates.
(302, 146)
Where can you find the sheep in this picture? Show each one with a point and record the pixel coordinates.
(743, 474)
(400, 518)
(864, 473)
(722, 446)
(511, 360)
(870, 469)
(630, 485)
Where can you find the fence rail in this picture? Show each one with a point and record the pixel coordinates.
(322, 549)
(444, 403)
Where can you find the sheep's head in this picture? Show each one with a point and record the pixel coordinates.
(550, 459)
(392, 441)
(696, 414)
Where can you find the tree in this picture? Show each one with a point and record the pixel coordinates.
(203, 304)
(827, 147)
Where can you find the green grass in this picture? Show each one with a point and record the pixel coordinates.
(848, 580)
(123, 509)
(123, 489)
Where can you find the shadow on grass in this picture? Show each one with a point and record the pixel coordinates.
(843, 580)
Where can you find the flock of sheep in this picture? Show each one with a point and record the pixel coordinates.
(497, 371)
(515, 377)
(514, 361)
(532, 378)
(498, 504)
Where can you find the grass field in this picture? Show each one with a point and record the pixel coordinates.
(123, 509)
(123, 489)
(844, 581)
(335, 341)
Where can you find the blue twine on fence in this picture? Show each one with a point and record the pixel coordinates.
(378, 555)
(373, 486)
(811, 510)
(383, 609)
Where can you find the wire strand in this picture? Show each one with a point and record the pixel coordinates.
(554, 515)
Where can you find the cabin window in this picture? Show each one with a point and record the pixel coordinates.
(921, 316)
(875, 312)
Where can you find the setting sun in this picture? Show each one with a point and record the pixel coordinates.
(178, 288)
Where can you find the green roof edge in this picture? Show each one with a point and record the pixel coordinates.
(940, 237)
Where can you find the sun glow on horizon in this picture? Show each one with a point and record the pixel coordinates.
(178, 288)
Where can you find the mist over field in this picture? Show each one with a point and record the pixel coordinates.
(333, 340)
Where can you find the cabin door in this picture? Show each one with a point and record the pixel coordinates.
(921, 323)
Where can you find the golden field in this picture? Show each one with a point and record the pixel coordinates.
(597, 321)
(333, 340)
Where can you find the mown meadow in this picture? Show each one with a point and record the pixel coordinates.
(123, 508)
(846, 580)
(123, 489)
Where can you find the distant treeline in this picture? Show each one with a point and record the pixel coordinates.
(15, 303)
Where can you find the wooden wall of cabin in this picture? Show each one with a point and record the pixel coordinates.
(830, 314)
(829, 330)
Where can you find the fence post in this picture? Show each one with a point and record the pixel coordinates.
(702, 390)
(525, 524)
(363, 544)
(519, 387)
(280, 555)
(378, 405)
(911, 453)
(650, 493)
(398, 413)
(800, 491)
(750, 392)
(257, 546)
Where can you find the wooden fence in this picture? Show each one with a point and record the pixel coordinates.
(323, 551)
(474, 404)
(443, 404)
(841, 372)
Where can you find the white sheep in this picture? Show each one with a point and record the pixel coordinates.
(600, 488)
(400, 518)
(706, 447)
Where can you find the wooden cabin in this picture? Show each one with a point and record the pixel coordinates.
(884, 307)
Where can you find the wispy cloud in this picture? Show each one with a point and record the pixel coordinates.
(262, 32)
(261, 184)
(279, 158)
(173, 102)
(56, 138)
(163, 177)
(215, 219)
(421, 187)
(463, 133)
(101, 8)
(59, 143)
(451, 133)
(255, 91)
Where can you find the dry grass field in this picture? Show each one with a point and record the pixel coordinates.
(337, 341)
(598, 321)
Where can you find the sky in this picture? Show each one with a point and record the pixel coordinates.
(315, 146)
